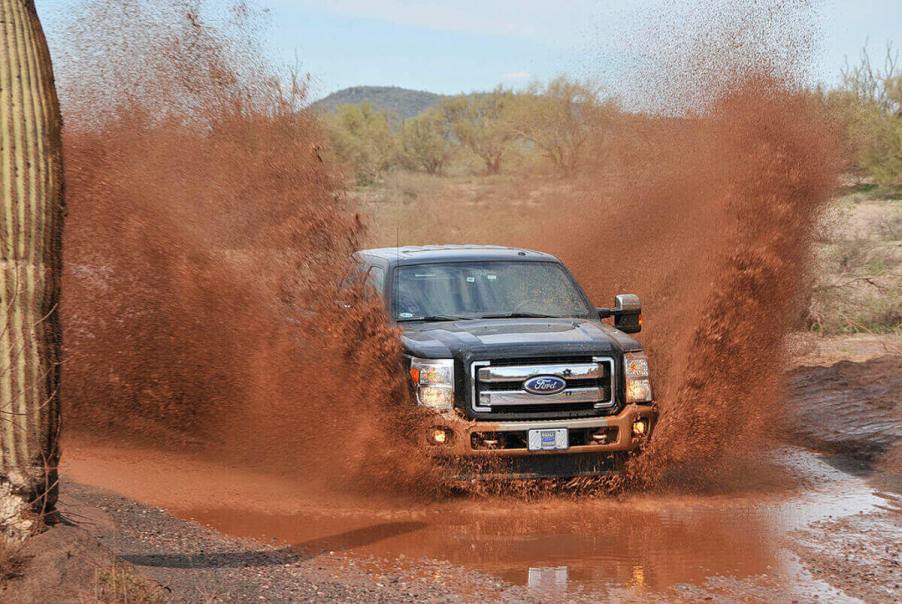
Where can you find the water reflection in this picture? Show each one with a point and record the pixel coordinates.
(642, 544)
(545, 546)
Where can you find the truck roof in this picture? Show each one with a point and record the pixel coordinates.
(453, 253)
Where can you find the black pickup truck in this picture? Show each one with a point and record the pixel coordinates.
(518, 366)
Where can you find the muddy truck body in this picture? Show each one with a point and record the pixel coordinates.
(524, 376)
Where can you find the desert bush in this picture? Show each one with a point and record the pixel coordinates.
(857, 289)
(861, 307)
(483, 123)
(868, 107)
(12, 562)
(120, 584)
(426, 142)
(890, 228)
(561, 117)
(362, 139)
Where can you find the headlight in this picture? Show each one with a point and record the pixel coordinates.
(638, 386)
(434, 380)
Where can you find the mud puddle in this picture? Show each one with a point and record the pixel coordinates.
(644, 545)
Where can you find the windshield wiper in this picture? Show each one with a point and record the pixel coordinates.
(436, 318)
(518, 315)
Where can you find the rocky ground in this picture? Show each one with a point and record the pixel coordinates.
(861, 555)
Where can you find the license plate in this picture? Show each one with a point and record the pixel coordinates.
(553, 439)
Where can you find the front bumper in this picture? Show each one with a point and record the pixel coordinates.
(468, 437)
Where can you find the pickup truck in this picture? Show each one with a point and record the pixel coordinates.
(504, 346)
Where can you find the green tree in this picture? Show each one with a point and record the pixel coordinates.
(362, 138)
(868, 103)
(426, 142)
(560, 118)
(481, 122)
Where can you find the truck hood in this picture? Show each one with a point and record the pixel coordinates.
(499, 338)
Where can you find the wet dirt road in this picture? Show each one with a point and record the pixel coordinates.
(804, 525)
(729, 545)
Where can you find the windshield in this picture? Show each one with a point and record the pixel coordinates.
(473, 290)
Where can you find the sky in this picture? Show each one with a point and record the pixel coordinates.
(452, 46)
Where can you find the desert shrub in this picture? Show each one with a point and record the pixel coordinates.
(426, 142)
(12, 562)
(890, 227)
(857, 290)
(843, 310)
(868, 108)
(120, 584)
(362, 139)
(483, 124)
(561, 118)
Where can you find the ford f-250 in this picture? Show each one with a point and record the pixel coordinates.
(518, 366)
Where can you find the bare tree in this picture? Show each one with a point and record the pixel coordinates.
(31, 220)
(881, 86)
(561, 117)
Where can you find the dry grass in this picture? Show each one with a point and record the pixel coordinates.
(120, 584)
(415, 209)
(859, 278)
(12, 563)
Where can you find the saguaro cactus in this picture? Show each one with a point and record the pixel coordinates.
(31, 220)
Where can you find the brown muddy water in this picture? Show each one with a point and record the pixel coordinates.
(640, 545)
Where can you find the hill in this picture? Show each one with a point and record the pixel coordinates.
(403, 102)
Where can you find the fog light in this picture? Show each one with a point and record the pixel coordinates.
(439, 436)
(604, 436)
(640, 427)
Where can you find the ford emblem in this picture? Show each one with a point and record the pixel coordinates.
(544, 384)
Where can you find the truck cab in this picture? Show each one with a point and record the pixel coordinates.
(504, 346)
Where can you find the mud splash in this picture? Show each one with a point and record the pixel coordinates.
(707, 212)
(206, 236)
(723, 379)
(205, 243)
(717, 211)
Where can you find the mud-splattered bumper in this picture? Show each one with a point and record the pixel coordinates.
(610, 434)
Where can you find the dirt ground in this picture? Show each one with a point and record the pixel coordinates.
(820, 521)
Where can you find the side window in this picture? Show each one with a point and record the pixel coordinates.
(352, 277)
(375, 280)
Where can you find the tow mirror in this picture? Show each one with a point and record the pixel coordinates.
(627, 313)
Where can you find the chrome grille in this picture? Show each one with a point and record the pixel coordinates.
(498, 387)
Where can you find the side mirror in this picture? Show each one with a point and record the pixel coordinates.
(627, 313)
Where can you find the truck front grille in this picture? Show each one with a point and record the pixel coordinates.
(498, 388)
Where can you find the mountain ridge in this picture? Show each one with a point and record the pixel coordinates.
(406, 103)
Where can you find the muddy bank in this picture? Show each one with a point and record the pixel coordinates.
(668, 547)
(849, 408)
